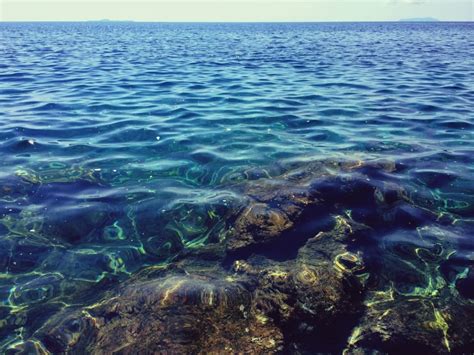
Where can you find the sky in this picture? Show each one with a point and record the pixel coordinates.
(235, 10)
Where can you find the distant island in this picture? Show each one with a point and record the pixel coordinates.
(108, 20)
(420, 19)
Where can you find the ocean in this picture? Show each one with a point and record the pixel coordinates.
(236, 187)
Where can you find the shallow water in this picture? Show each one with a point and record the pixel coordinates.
(124, 145)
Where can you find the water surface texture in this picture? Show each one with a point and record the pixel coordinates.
(130, 147)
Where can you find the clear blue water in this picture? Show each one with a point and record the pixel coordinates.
(120, 142)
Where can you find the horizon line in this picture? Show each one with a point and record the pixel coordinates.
(216, 21)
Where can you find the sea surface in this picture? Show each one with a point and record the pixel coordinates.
(122, 144)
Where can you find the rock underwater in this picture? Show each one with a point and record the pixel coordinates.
(302, 270)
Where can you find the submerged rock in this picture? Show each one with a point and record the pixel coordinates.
(178, 314)
(319, 293)
(397, 324)
(258, 223)
(257, 306)
(309, 263)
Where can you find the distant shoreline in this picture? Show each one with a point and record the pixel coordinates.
(420, 19)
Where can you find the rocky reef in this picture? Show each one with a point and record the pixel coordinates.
(325, 257)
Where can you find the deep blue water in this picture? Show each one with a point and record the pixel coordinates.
(120, 142)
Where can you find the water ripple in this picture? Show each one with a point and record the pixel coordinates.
(124, 144)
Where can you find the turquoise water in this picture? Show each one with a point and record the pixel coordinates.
(122, 145)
